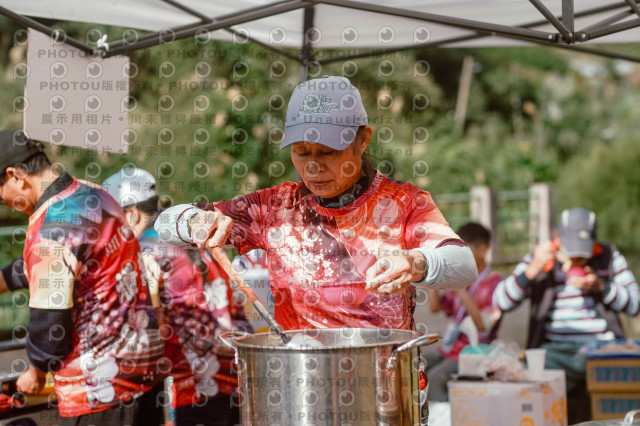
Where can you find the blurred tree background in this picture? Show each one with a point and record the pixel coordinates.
(534, 114)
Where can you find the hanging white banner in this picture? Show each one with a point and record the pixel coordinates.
(74, 98)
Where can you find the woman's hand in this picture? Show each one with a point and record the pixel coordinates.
(210, 229)
(392, 274)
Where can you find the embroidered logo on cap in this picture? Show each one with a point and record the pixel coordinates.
(314, 104)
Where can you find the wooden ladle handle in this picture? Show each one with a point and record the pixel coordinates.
(225, 263)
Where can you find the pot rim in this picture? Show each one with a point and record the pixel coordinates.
(238, 340)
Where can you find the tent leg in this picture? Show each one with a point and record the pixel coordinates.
(307, 50)
(568, 15)
(306, 56)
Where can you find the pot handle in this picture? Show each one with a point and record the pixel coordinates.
(427, 339)
(226, 338)
(631, 416)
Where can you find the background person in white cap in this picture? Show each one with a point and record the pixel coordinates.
(576, 286)
(91, 320)
(191, 296)
(343, 223)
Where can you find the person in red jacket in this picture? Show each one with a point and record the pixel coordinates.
(343, 224)
(191, 295)
(91, 321)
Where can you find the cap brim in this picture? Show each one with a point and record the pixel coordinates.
(577, 247)
(330, 135)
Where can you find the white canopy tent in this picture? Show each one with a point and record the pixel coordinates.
(380, 26)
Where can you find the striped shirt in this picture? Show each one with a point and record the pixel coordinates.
(573, 315)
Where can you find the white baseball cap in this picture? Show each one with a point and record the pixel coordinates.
(131, 186)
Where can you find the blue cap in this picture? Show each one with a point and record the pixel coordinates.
(325, 110)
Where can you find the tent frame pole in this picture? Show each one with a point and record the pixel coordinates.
(601, 32)
(155, 34)
(568, 14)
(523, 32)
(204, 19)
(634, 6)
(216, 24)
(608, 21)
(478, 35)
(446, 20)
(306, 53)
(550, 17)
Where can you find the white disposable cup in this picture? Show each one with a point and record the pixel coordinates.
(535, 362)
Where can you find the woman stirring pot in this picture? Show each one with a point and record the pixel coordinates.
(344, 224)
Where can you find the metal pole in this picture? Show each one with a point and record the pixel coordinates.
(205, 19)
(155, 35)
(306, 52)
(306, 55)
(611, 29)
(467, 24)
(608, 21)
(566, 34)
(634, 6)
(214, 25)
(567, 15)
(478, 35)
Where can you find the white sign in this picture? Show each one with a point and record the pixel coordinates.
(74, 98)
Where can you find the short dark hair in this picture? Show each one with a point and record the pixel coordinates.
(33, 165)
(149, 206)
(472, 233)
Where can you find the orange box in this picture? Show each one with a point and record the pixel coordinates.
(613, 405)
(613, 375)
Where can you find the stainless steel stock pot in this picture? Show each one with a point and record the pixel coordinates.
(344, 376)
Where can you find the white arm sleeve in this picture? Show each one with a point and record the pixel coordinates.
(172, 225)
(448, 267)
